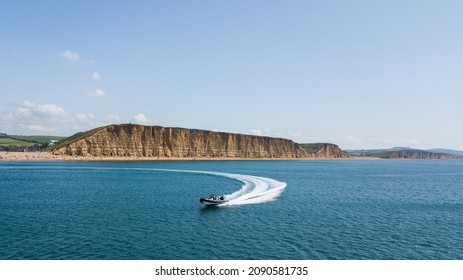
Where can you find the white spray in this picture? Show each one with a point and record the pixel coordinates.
(254, 190)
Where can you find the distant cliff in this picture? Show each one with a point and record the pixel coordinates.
(402, 153)
(419, 154)
(131, 140)
(324, 150)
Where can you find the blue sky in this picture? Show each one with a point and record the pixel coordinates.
(361, 74)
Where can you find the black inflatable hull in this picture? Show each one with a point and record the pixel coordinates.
(210, 202)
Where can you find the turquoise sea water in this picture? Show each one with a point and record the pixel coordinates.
(149, 210)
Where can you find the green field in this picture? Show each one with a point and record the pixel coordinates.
(14, 142)
(312, 148)
(79, 135)
(41, 139)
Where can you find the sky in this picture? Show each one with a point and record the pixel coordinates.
(360, 74)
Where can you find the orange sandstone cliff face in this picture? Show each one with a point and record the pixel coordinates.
(130, 140)
(329, 151)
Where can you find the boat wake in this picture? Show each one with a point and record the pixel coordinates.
(254, 190)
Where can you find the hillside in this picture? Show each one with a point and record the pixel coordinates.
(447, 151)
(324, 150)
(401, 153)
(21, 143)
(419, 154)
(131, 140)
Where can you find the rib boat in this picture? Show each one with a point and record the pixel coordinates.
(213, 200)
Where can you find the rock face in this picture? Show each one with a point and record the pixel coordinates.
(131, 140)
(324, 150)
(419, 154)
(403, 153)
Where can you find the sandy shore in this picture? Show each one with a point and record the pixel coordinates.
(23, 156)
(31, 156)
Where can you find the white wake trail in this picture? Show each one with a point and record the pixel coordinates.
(254, 190)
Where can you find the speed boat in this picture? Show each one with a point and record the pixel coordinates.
(213, 200)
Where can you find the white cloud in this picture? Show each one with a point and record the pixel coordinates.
(30, 117)
(111, 119)
(95, 76)
(81, 117)
(35, 127)
(261, 132)
(28, 108)
(96, 93)
(256, 132)
(6, 116)
(70, 56)
(140, 118)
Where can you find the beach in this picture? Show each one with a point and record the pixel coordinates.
(30, 156)
(24, 156)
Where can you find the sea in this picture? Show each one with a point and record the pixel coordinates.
(277, 210)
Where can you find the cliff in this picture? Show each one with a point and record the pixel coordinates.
(402, 153)
(131, 140)
(324, 150)
(419, 154)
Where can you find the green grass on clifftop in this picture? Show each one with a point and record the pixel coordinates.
(12, 142)
(42, 139)
(312, 148)
(73, 138)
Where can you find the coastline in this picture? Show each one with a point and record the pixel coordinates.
(46, 156)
